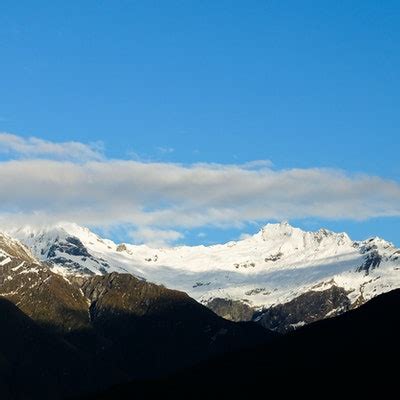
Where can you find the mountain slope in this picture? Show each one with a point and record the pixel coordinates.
(352, 342)
(11, 248)
(280, 265)
(48, 298)
(36, 363)
(66, 336)
(357, 351)
(149, 330)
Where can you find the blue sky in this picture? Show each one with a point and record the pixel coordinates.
(310, 84)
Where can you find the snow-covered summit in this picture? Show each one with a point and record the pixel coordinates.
(294, 239)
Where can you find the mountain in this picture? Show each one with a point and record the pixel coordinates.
(47, 297)
(356, 352)
(282, 277)
(11, 248)
(70, 330)
(36, 363)
(65, 336)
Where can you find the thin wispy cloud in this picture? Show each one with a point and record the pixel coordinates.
(155, 237)
(165, 197)
(33, 147)
(258, 164)
(165, 150)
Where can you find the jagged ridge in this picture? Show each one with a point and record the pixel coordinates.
(271, 268)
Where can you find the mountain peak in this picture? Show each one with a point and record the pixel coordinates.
(297, 238)
(69, 227)
(278, 225)
(279, 230)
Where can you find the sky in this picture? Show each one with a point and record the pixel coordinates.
(196, 121)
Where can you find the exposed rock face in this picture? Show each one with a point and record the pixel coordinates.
(72, 246)
(372, 260)
(304, 309)
(233, 310)
(46, 297)
(70, 252)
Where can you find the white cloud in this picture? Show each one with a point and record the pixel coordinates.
(170, 197)
(35, 147)
(155, 237)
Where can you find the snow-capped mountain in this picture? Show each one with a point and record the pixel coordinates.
(66, 337)
(11, 250)
(323, 272)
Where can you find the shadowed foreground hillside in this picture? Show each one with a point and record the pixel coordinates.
(358, 350)
(72, 338)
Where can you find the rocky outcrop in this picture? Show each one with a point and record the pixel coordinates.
(309, 307)
(70, 253)
(372, 260)
(233, 310)
(304, 309)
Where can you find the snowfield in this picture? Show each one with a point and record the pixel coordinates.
(272, 267)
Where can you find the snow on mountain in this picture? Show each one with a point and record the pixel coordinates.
(273, 267)
(12, 250)
(68, 247)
